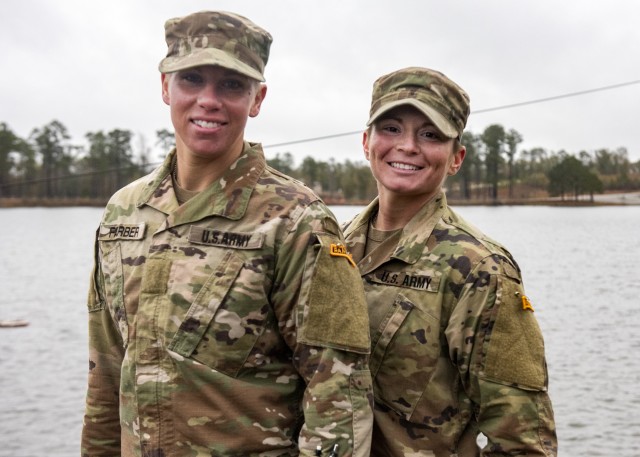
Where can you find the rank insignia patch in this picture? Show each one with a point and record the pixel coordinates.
(526, 303)
(338, 250)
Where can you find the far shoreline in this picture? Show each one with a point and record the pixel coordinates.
(607, 199)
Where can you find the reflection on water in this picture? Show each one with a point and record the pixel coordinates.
(580, 269)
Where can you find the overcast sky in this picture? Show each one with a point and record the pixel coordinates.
(93, 66)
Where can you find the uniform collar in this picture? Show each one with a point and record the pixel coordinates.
(413, 240)
(228, 196)
(418, 230)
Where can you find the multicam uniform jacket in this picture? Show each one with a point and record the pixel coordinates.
(233, 325)
(456, 349)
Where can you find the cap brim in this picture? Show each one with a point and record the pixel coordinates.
(441, 123)
(208, 56)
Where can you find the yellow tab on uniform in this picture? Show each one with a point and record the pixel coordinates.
(526, 304)
(338, 250)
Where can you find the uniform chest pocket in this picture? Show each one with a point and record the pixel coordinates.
(224, 321)
(404, 356)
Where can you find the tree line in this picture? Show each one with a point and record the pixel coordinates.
(48, 165)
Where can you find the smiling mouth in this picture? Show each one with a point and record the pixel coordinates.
(403, 166)
(206, 124)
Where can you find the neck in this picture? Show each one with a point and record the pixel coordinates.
(195, 173)
(395, 212)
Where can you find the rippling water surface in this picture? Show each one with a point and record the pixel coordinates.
(580, 269)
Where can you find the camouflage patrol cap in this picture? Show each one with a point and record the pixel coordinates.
(216, 38)
(431, 92)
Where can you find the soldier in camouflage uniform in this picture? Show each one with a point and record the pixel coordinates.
(225, 318)
(456, 349)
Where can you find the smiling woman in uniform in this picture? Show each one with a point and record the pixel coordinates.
(218, 318)
(456, 350)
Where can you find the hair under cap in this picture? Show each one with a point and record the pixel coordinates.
(216, 38)
(444, 102)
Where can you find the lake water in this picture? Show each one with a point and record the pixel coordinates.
(581, 270)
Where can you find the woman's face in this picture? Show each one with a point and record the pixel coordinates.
(209, 107)
(408, 155)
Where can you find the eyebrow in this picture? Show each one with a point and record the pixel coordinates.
(427, 123)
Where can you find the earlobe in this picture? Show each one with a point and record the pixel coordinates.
(164, 79)
(261, 93)
(458, 158)
(365, 144)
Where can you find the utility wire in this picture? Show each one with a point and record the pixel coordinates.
(76, 175)
(479, 111)
(557, 97)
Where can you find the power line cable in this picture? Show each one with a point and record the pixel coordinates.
(77, 175)
(479, 111)
(557, 97)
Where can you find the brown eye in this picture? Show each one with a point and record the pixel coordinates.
(232, 84)
(431, 135)
(388, 127)
(190, 77)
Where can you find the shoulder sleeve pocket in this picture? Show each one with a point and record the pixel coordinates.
(337, 313)
(515, 348)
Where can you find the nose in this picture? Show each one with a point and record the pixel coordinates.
(407, 143)
(208, 97)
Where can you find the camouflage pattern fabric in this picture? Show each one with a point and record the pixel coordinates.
(456, 349)
(200, 318)
(440, 99)
(216, 38)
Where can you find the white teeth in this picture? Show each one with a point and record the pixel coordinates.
(403, 166)
(205, 124)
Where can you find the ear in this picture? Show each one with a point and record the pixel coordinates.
(164, 79)
(456, 163)
(261, 93)
(365, 143)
